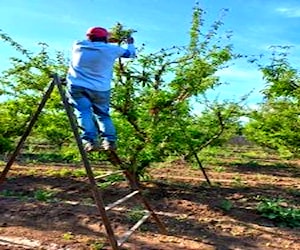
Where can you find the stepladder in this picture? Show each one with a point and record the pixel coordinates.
(116, 241)
(136, 191)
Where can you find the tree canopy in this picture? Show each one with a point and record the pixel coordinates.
(276, 123)
(151, 97)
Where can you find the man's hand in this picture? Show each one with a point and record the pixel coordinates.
(130, 40)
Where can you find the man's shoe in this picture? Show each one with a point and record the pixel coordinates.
(88, 147)
(91, 146)
(108, 145)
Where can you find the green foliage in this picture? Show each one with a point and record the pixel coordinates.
(23, 86)
(79, 173)
(111, 180)
(6, 145)
(10, 193)
(151, 99)
(119, 33)
(276, 123)
(279, 213)
(281, 78)
(40, 195)
(44, 195)
(226, 205)
(70, 172)
(237, 181)
(70, 153)
(135, 214)
(219, 169)
(12, 125)
(68, 236)
(97, 245)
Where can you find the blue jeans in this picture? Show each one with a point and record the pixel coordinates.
(93, 113)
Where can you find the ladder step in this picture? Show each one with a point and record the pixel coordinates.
(118, 202)
(107, 174)
(127, 234)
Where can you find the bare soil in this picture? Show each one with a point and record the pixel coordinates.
(194, 213)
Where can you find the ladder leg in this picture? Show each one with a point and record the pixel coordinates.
(94, 188)
(115, 160)
(133, 183)
(27, 131)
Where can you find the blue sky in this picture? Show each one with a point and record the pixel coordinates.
(256, 25)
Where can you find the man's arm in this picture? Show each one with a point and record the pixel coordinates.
(130, 51)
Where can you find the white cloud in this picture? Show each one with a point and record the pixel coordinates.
(289, 12)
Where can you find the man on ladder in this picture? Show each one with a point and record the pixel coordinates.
(89, 86)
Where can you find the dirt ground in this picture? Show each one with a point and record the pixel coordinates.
(196, 215)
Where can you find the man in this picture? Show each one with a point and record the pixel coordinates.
(89, 84)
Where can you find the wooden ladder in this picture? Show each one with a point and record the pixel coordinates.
(115, 242)
(135, 191)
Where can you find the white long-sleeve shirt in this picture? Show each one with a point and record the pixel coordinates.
(92, 64)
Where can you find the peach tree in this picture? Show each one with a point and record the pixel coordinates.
(152, 99)
(153, 96)
(275, 124)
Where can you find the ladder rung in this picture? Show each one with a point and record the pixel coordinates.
(107, 174)
(118, 202)
(127, 234)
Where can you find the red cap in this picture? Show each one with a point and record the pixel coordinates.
(97, 32)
